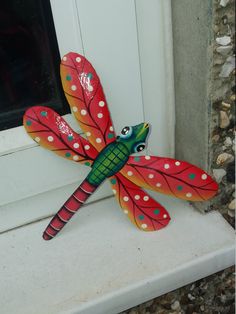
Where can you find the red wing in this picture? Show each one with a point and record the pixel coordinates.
(51, 131)
(170, 176)
(142, 210)
(85, 96)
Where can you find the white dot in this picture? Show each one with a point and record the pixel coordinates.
(137, 197)
(101, 103)
(147, 157)
(111, 128)
(114, 191)
(165, 216)
(158, 184)
(98, 140)
(78, 59)
(88, 133)
(177, 163)
(50, 139)
(144, 226)
(64, 58)
(74, 109)
(189, 194)
(126, 211)
(151, 176)
(146, 198)
(73, 87)
(83, 112)
(90, 88)
(125, 198)
(129, 173)
(166, 166)
(100, 115)
(76, 145)
(75, 157)
(86, 147)
(37, 139)
(204, 176)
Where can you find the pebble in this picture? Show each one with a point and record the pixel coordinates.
(215, 138)
(175, 306)
(232, 205)
(191, 297)
(224, 158)
(231, 213)
(228, 142)
(219, 174)
(224, 120)
(227, 67)
(225, 105)
(223, 3)
(223, 41)
(224, 50)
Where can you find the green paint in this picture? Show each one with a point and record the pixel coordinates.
(90, 76)
(179, 188)
(87, 163)
(110, 135)
(28, 122)
(70, 137)
(68, 78)
(44, 113)
(136, 158)
(156, 211)
(113, 181)
(191, 176)
(141, 217)
(67, 154)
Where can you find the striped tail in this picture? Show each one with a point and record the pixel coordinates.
(70, 207)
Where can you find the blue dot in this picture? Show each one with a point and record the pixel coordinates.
(28, 122)
(113, 181)
(156, 211)
(70, 137)
(44, 113)
(137, 158)
(90, 76)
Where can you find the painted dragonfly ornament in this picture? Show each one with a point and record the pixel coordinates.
(109, 155)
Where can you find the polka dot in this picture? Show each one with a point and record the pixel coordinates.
(141, 217)
(75, 157)
(158, 184)
(74, 109)
(111, 128)
(189, 195)
(88, 133)
(100, 115)
(136, 158)
(28, 122)
(90, 88)
(89, 76)
(67, 154)
(43, 113)
(179, 188)
(87, 163)
(137, 197)
(126, 211)
(110, 135)
(166, 166)
(78, 59)
(165, 216)
(191, 176)
(101, 103)
(125, 198)
(68, 78)
(146, 198)
(70, 137)
(83, 112)
(73, 87)
(177, 163)
(151, 176)
(114, 191)
(129, 173)
(37, 139)
(50, 139)
(64, 58)
(86, 147)
(156, 211)
(98, 140)
(76, 145)
(147, 157)
(204, 176)
(144, 226)
(113, 181)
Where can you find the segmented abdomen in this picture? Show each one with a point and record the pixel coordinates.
(70, 207)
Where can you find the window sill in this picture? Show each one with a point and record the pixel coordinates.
(102, 264)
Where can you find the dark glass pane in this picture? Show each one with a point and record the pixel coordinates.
(29, 60)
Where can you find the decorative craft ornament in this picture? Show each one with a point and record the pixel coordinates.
(109, 156)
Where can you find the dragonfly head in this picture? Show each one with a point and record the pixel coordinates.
(134, 137)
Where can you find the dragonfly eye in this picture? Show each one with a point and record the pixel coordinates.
(126, 132)
(139, 147)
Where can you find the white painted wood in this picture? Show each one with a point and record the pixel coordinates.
(101, 264)
(156, 61)
(109, 35)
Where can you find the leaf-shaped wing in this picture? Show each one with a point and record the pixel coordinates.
(142, 210)
(170, 176)
(85, 96)
(51, 131)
